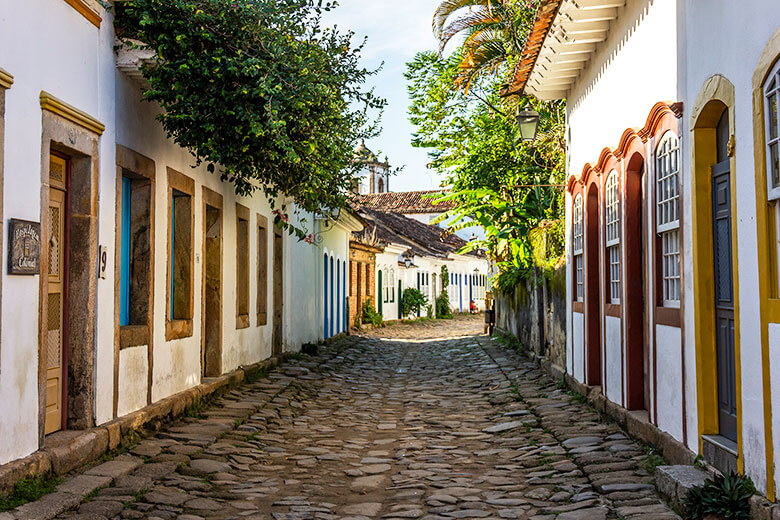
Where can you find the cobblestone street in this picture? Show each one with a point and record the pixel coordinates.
(430, 420)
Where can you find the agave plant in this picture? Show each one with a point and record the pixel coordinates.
(493, 31)
(725, 497)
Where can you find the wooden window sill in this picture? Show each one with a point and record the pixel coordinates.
(178, 329)
(669, 316)
(133, 336)
(262, 319)
(578, 307)
(242, 321)
(614, 310)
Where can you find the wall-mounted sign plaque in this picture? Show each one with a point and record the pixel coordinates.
(24, 247)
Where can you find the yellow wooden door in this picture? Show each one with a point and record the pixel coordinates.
(54, 340)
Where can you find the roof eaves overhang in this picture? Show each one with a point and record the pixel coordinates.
(563, 39)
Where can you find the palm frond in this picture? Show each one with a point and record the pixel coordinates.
(484, 59)
(447, 7)
(475, 20)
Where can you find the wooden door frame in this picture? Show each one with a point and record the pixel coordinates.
(83, 151)
(716, 96)
(592, 296)
(213, 199)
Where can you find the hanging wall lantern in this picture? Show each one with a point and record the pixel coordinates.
(528, 121)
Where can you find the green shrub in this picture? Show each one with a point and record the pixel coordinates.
(725, 496)
(370, 315)
(412, 302)
(429, 312)
(443, 310)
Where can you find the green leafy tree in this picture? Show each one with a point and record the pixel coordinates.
(509, 188)
(259, 91)
(492, 31)
(413, 302)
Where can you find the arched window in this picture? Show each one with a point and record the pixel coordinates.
(391, 283)
(612, 213)
(381, 186)
(667, 169)
(576, 245)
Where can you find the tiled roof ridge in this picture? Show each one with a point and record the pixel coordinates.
(406, 201)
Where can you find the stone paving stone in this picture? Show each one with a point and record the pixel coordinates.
(429, 420)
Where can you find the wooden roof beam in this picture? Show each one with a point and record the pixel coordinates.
(590, 15)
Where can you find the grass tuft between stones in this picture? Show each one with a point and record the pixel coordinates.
(29, 489)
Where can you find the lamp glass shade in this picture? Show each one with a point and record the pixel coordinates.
(528, 121)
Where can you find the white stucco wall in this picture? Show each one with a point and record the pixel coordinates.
(133, 387)
(62, 53)
(613, 359)
(335, 243)
(387, 261)
(576, 336)
(668, 380)
(629, 72)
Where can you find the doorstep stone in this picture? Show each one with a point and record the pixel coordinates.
(674, 482)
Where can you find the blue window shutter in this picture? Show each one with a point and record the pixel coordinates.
(325, 298)
(338, 296)
(124, 272)
(173, 242)
(344, 294)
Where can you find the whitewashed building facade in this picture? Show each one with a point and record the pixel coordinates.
(155, 274)
(413, 257)
(671, 213)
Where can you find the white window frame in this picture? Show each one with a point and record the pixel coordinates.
(577, 246)
(667, 200)
(612, 222)
(772, 88)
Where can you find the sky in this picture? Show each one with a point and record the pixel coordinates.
(396, 31)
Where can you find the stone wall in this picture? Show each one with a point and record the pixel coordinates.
(536, 314)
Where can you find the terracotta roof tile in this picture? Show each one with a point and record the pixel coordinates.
(421, 239)
(545, 15)
(406, 202)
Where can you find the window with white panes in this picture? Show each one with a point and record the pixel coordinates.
(667, 200)
(612, 212)
(577, 246)
(391, 283)
(772, 136)
(772, 116)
